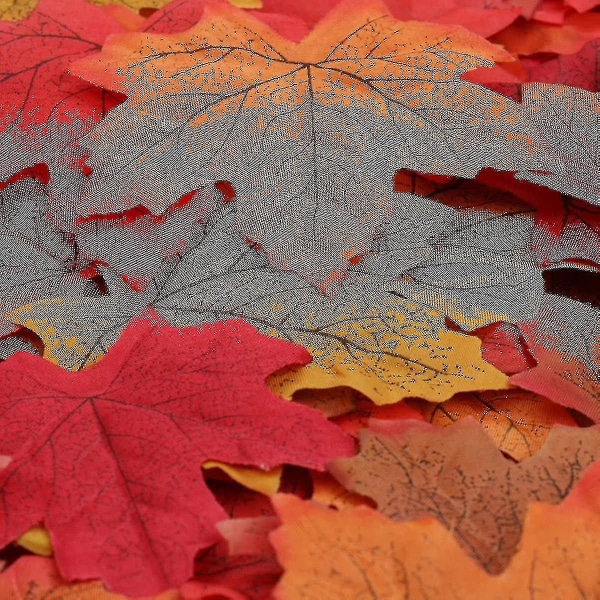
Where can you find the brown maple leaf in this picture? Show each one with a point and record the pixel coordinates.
(358, 553)
(457, 475)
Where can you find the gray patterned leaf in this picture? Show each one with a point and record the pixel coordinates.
(310, 147)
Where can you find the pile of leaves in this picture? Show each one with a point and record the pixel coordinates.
(299, 299)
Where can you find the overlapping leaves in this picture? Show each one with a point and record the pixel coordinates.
(395, 295)
(309, 134)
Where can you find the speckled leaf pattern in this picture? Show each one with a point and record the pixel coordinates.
(457, 475)
(309, 135)
(36, 259)
(374, 341)
(102, 456)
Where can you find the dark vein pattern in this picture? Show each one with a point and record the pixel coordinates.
(569, 118)
(36, 259)
(106, 455)
(310, 147)
(457, 475)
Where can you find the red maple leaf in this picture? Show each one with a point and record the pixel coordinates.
(36, 54)
(182, 14)
(109, 458)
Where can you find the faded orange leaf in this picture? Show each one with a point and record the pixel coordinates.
(359, 553)
(518, 421)
(457, 475)
(38, 578)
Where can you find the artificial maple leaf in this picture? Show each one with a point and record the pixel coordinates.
(480, 17)
(518, 421)
(240, 502)
(565, 229)
(550, 11)
(358, 553)
(19, 341)
(365, 338)
(332, 402)
(457, 475)
(328, 491)
(16, 10)
(483, 18)
(503, 345)
(36, 53)
(37, 578)
(42, 152)
(127, 18)
(568, 118)
(568, 229)
(565, 341)
(353, 422)
(578, 70)
(471, 259)
(528, 37)
(582, 5)
(242, 567)
(135, 242)
(264, 482)
(180, 15)
(577, 246)
(87, 442)
(36, 540)
(36, 259)
(308, 134)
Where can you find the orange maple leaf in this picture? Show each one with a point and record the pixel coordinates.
(309, 134)
(358, 553)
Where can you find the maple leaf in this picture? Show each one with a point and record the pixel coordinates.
(36, 259)
(332, 402)
(530, 37)
(43, 152)
(19, 341)
(576, 70)
(15, 10)
(503, 345)
(135, 242)
(568, 118)
(365, 410)
(471, 260)
(309, 134)
(180, 15)
(36, 53)
(518, 421)
(565, 341)
(457, 475)
(358, 553)
(111, 450)
(365, 338)
(483, 18)
(560, 230)
(37, 578)
(243, 566)
(329, 492)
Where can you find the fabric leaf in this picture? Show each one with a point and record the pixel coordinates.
(309, 134)
(358, 553)
(565, 341)
(457, 475)
(518, 421)
(371, 340)
(36, 54)
(568, 118)
(109, 459)
(36, 259)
